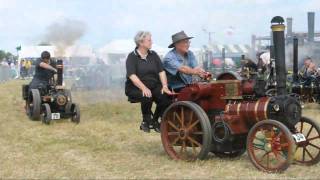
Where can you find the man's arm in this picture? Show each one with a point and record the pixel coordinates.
(188, 70)
(47, 66)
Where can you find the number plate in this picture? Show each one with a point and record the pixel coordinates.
(299, 137)
(55, 116)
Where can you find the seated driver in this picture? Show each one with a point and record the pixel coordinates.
(180, 63)
(44, 71)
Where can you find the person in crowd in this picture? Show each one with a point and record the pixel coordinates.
(146, 81)
(44, 71)
(22, 68)
(307, 68)
(28, 67)
(180, 63)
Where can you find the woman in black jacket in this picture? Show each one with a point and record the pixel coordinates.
(146, 81)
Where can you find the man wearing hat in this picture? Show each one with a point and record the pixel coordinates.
(180, 63)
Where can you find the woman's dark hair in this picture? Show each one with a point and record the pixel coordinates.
(45, 55)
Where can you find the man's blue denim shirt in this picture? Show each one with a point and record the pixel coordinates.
(173, 61)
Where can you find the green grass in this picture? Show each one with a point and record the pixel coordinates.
(106, 144)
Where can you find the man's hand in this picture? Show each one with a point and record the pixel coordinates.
(146, 92)
(199, 71)
(166, 90)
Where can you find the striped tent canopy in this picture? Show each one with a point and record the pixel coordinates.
(236, 49)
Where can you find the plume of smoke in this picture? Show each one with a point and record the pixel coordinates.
(64, 34)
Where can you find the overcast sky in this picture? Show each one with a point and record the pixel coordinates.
(25, 21)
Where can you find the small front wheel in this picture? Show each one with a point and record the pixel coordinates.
(46, 114)
(270, 146)
(75, 110)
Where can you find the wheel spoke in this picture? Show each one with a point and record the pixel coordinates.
(175, 141)
(301, 127)
(258, 146)
(173, 133)
(314, 145)
(177, 116)
(310, 139)
(182, 150)
(261, 140)
(193, 124)
(272, 133)
(279, 135)
(191, 118)
(182, 116)
(268, 160)
(284, 145)
(309, 131)
(283, 155)
(194, 141)
(197, 133)
(309, 153)
(194, 151)
(277, 156)
(265, 154)
(303, 153)
(174, 126)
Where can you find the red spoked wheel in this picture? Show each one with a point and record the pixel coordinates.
(186, 131)
(308, 152)
(270, 146)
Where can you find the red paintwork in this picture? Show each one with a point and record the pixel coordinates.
(226, 95)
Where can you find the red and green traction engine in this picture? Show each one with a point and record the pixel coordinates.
(230, 116)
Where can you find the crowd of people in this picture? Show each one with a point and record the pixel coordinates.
(309, 68)
(26, 68)
(9, 69)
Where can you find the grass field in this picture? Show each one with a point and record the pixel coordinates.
(106, 144)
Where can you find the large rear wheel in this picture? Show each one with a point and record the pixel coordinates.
(308, 152)
(186, 131)
(33, 104)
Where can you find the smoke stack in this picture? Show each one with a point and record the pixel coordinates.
(278, 29)
(295, 59)
(224, 58)
(311, 26)
(289, 29)
(59, 72)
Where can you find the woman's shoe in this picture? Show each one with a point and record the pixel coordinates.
(156, 126)
(145, 127)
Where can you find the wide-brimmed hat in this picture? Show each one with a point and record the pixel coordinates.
(178, 37)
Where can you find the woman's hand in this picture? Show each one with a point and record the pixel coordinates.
(166, 90)
(146, 92)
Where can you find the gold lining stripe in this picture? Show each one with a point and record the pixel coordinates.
(265, 108)
(226, 81)
(247, 107)
(256, 109)
(278, 27)
(238, 108)
(227, 108)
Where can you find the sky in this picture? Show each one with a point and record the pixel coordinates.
(24, 22)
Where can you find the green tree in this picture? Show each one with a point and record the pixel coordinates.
(3, 55)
